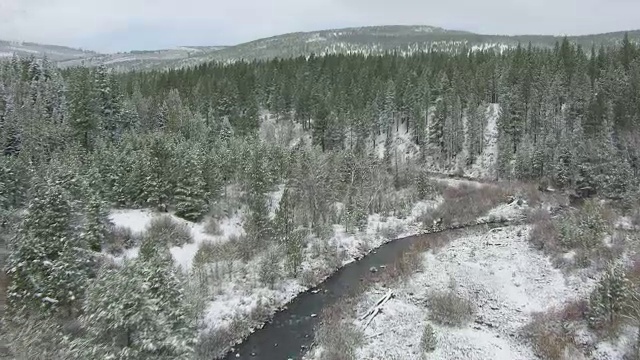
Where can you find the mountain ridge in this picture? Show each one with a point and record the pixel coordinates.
(369, 40)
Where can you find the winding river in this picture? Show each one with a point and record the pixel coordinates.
(290, 332)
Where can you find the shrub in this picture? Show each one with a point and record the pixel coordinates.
(329, 252)
(465, 203)
(338, 338)
(584, 228)
(425, 187)
(243, 247)
(216, 342)
(308, 278)
(392, 232)
(448, 308)
(120, 238)
(609, 300)
(212, 227)
(35, 338)
(549, 335)
(270, 268)
(164, 229)
(544, 234)
(428, 340)
(209, 252)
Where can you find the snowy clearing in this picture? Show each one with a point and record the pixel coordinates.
(499, 272)
(139, 219)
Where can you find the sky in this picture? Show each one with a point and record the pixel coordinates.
(123, 25)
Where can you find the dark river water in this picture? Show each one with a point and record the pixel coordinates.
(290, 333)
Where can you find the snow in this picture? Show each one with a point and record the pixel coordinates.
(486, 162)
(402, 140)
(139, 219)
(238, 299)
(499, 271)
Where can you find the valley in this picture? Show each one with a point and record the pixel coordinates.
(389, 192)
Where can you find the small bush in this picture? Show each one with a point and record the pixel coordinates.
(448, 308)
(308, 278)
(549, 335)
(425, 186)
(121, 238)
(405, 266)
(544, 234)
(215, 343)
(585, 228)
(465, 203)
(212, 227)
(209, 252)
(270, 268)
(29, 337)
(428, 340)
(338, 338)
(575, 311)
(166, 230)
(329, 252)
(392, 232)
(243, 247)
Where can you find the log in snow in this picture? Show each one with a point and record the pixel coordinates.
(376, 309)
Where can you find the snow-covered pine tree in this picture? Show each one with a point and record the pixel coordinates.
(289, 239)
(190, 195)
(97, 224)
(609, 299)
(138, 312)
(48, 265)
(258, 225)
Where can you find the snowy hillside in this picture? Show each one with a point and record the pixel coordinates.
(52, 52)
(373, 40)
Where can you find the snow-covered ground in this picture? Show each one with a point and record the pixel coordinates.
(139, 219)
(485, 165)
(499, 272)
(236, 290)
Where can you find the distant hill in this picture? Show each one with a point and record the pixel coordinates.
(406, 39)
(53, 52)
(370, 40)
(141, 60)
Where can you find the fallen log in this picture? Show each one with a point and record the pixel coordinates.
(376, 309)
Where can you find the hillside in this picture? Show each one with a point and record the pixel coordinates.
(53, 52)
(380, 39)
(141, 60)
(370, 40)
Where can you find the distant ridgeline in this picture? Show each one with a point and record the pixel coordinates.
(375, 40)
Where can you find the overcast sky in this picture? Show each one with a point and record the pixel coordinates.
(120, 25)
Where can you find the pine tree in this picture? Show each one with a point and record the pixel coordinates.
(97, 224)
(48, 265)
(190, 196)
(289, 239)
(84, 122)
(258, 225)
(609, 299)
(138, 312)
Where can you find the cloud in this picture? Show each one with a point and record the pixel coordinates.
(142, 24)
